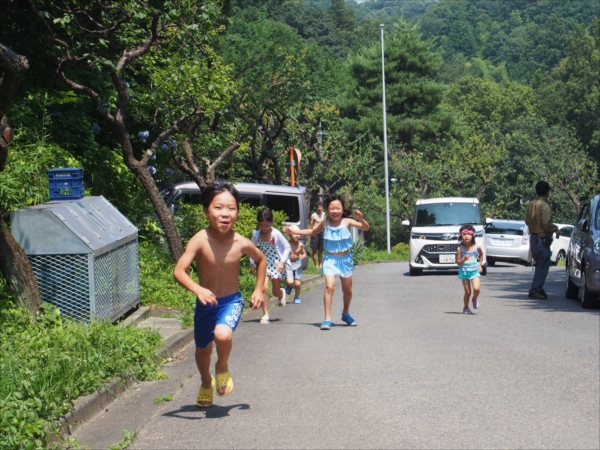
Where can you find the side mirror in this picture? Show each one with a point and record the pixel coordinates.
(582, 225)
(489, 221)
(406, 223)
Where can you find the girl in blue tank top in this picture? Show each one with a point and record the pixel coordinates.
(469, 258)
(338, 259)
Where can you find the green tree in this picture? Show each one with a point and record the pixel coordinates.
(483, 101)
(268, 60)
(13, 262)
(113, 52)
(413, 96)
(571, 96)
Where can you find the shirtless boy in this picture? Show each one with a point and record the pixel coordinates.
(293, 266)
(217, 251)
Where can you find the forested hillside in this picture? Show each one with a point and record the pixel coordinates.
(484, 98)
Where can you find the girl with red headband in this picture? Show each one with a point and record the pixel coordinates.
(469, 258)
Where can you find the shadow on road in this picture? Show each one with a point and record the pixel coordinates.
(515, 288)
(258, 320)
(190, 412)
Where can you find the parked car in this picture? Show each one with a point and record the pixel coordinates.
(434, 232)
(582, 277)
(561, 244)
(507, 240)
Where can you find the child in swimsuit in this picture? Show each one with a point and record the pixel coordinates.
(469, 258)
(277, 250)
(338, 259)
(293, 266)
(217, 251)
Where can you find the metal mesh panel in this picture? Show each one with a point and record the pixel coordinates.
(117, 280)
(63, 282)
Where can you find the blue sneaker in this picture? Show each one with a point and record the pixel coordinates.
(288, 290)
(297, 300)
(349, 320)
(326, 325)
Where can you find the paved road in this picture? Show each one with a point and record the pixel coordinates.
(415, 373)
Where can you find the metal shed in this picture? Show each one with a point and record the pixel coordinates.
(84, 254)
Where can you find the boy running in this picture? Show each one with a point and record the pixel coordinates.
(293, 266)
(217, 251)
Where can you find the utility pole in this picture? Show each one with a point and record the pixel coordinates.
(385, 146)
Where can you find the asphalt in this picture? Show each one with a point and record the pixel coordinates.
(415, 373)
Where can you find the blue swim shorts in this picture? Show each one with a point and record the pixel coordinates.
(338, 265)
(207, 317)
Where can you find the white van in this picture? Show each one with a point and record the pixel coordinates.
(434, 232)
(289, 199)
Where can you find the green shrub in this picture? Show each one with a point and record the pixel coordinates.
(190, 220)
(46, 361)
(358, 251)
(400, 247)
(157, 285)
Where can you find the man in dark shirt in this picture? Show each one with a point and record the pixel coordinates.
(539, 220)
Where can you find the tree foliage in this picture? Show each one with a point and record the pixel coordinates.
(413, 96)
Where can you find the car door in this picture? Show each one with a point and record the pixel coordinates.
(577, 244)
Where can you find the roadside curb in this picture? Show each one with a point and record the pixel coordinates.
(87, 406)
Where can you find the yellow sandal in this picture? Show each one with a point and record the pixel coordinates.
(224, 380)
(206, 395)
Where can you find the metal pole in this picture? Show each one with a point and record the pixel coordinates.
(385, 146)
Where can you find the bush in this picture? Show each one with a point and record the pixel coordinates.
(190, 220)
(46, 361)
(157, 285)
(400, 247)
(358, 251)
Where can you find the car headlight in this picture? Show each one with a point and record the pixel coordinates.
(597, 246)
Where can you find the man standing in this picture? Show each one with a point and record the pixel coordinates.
(316, 242)
(539, 220)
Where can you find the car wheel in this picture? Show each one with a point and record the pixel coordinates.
(588, 300)
(571, 291)
(414, 272)
(491, 262)
(560, 257)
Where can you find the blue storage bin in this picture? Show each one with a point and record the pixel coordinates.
(66, 183)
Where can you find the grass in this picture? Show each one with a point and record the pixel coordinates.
(45, 362)
(164, 398)
(383, 255)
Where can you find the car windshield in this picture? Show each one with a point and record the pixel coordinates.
(515, 229)
(441, 214)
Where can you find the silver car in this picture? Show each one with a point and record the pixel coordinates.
(507, 240)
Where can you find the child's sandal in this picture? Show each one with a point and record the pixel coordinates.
(206, 395)
(224, 380)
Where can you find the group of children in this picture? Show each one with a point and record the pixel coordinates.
(217, 251)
